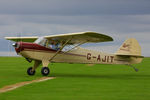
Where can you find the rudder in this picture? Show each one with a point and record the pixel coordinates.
(130, 51)
(130, 47)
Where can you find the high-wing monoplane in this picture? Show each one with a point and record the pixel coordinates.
(65, 48)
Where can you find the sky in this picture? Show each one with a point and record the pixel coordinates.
(120, 19)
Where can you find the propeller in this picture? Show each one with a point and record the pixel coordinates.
(9, 48)
(13, 44)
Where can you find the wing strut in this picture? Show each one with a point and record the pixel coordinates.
(60, 49)
(74, 47)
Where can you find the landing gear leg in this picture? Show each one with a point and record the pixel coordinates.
(45, 70)
(134, 68)
(31, 70)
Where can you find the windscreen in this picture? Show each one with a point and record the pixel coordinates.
(41, 41)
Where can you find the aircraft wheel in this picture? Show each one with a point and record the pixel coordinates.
(45, 71)
(30, 72)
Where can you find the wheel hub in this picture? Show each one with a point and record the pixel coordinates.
(45, 71)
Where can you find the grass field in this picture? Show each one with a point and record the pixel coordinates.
(77, 81)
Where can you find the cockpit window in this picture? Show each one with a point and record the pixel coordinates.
(54, 45)
(69, 47)
(41, 41)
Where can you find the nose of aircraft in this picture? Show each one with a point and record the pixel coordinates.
(15, 45)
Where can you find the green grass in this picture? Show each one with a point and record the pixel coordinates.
(77, 81)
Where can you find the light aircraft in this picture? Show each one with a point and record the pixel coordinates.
(65, 48)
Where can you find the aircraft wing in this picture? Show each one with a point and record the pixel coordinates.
(81, 37)
(23, 39)
(75, 38)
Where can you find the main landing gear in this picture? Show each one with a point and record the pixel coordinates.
(30, 71)
(44, 71)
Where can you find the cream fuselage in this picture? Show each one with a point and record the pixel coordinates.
(78, 55)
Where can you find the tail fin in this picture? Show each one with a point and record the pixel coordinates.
(130, 48)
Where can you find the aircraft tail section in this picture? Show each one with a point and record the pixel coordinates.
(130, 50)
(130, 47)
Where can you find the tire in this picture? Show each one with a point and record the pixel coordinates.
(45, 71)
(30, 72)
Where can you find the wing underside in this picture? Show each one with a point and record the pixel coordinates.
(23, 39)
(81, 37)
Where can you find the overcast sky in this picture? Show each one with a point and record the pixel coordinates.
(120, 19)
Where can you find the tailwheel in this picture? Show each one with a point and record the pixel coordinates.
(45, 71)
(30, 72)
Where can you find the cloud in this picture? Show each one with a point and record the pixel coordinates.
(120, 19)
(104, 49)
(74, 7)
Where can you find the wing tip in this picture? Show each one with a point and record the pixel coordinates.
(7, 38)
(107, 37)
